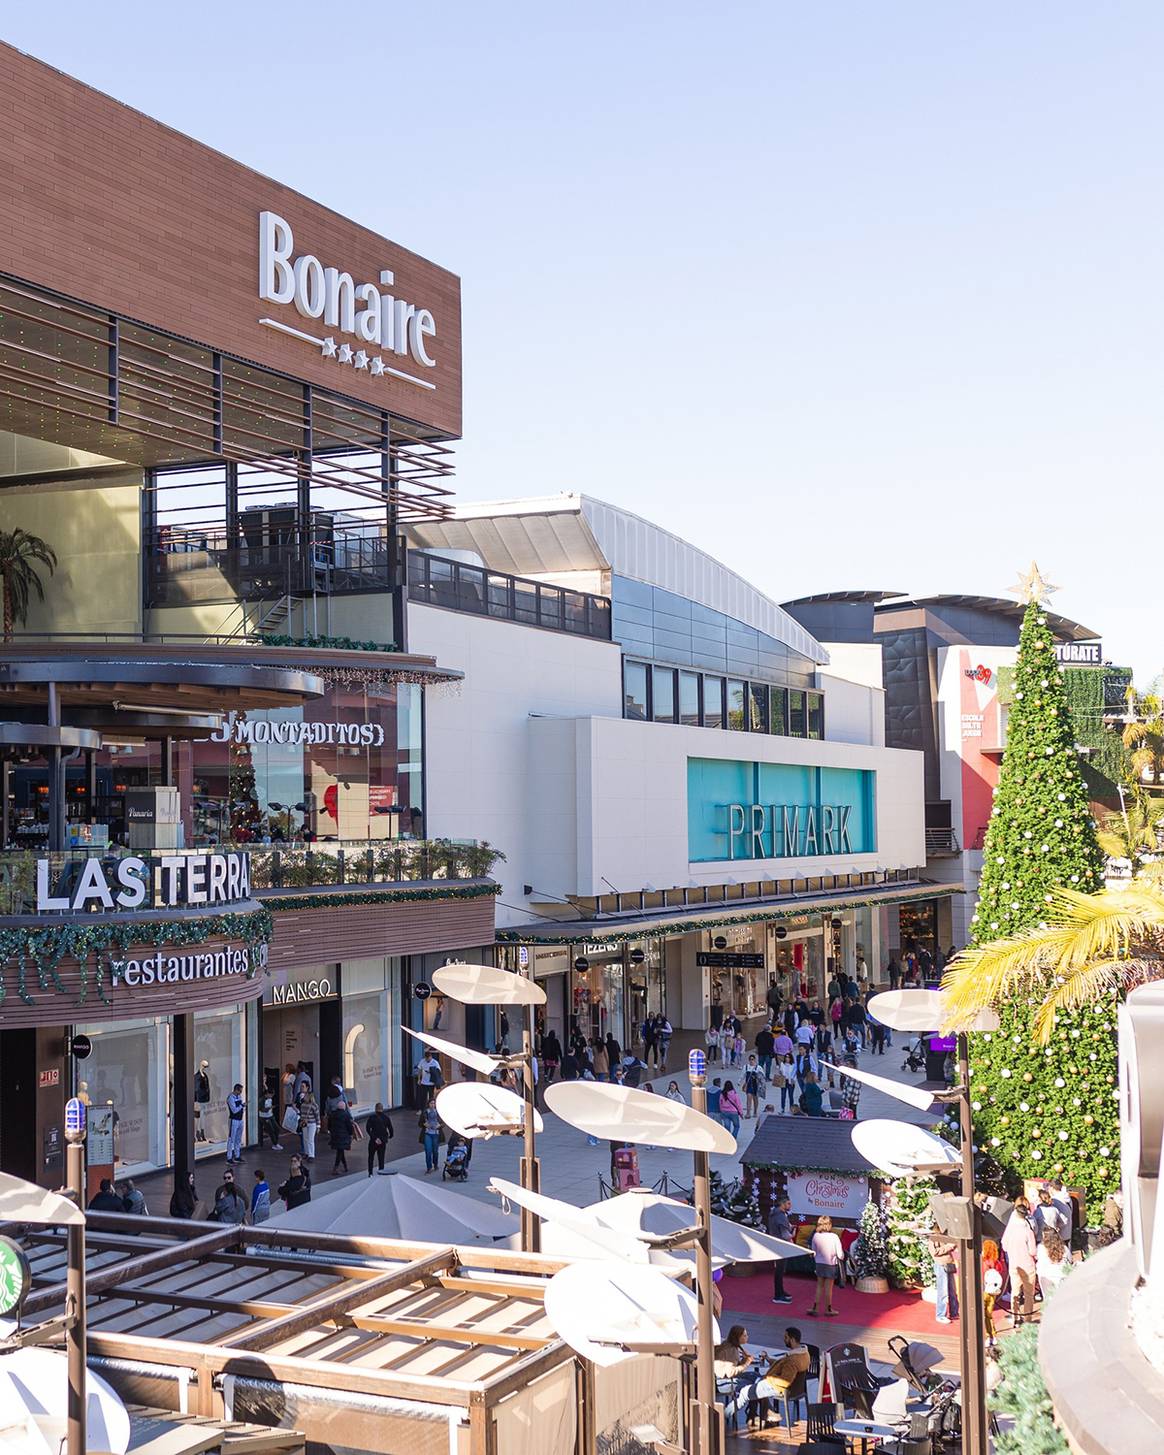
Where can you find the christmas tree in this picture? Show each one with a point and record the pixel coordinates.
(908, 1227)
(869, 1255)
(1042, 1111)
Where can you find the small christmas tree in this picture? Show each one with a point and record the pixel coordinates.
(908, 1226)
(744, 1203)
(869, 1255)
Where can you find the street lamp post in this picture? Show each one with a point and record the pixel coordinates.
(75, 1336)
(707, 1416)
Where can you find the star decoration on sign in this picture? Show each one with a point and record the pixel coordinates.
(361, 360)
(345, 354)
(328, 348)
(1032, 586)
(377, 366)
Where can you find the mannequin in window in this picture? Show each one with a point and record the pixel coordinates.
(201, 1098)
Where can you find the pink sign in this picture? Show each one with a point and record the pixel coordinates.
(815, 1194)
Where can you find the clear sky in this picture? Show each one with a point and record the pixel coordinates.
(851, 294)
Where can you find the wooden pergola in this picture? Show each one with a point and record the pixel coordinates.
(362, 1342)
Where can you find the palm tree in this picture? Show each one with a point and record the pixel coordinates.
(1134, 831)
(20, 555)
(1144, 736)
(1090, 945)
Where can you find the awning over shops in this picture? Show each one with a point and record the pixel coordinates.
(681, 921)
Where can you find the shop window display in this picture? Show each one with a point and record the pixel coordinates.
(220, 1061)
(125, 1070)
(365, 1052)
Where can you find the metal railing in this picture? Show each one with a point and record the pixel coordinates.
(941, 841)
(330, 864)
(459, 586)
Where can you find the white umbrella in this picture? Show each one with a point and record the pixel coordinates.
(643, 1213)
(396, 1206)
(33, 1394)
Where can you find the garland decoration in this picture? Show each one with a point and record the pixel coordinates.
(274, 900)
(748, 913)
(101, 941)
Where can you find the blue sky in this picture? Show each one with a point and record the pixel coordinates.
(860, 295)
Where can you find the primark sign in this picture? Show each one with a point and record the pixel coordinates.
(749, 811)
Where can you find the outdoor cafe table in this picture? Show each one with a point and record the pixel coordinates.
(867, 1431)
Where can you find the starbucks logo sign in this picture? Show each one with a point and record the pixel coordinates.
(15, 1276)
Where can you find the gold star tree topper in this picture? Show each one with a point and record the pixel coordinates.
(1032, 586)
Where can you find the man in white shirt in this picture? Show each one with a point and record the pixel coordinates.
(1049, 1214)
(805, 1034)
(429, 1070)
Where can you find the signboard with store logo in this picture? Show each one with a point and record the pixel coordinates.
(827, 1194)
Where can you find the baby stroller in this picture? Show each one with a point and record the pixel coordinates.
(456, 1164)
(915, 1056)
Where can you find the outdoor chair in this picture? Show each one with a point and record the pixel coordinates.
(851, 1381)
(727, 1393)
(790, 1400)
(822, 1438)
(813, 1376)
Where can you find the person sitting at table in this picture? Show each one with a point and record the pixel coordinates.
(775, 1381)
(732, 1361)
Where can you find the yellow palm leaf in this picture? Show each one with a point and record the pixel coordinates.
(1089, 943)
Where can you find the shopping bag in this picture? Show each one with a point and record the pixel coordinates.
(290, 1120)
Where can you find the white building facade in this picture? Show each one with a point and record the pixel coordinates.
(692, 800)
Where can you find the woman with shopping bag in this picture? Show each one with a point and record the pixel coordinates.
(308, 1121)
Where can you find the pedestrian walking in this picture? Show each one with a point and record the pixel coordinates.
(765, 1050)
(599, 1060)
(730, 1110)
(850, 1088)
(753, 1086)
(268, 1126)
(551, 1055)
(1051, 1261)
(378, 1130)
(308, 1109)
(811, 1096)
(785, 1079)
(230, 1206)
(431, 1134)
(341, 1131)
(295, 1190)
(711, 1041)
(236, 1110)
(184, 1199)
(663, 1033)
(674, 1094)
(260, 1198)
(1020, 1246)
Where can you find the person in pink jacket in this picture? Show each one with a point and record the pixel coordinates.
(1020, 1247)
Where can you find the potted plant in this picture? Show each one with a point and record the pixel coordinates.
(869, 1255)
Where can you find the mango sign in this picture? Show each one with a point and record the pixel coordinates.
(815, 1194)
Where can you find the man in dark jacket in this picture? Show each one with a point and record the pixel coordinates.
(105, 1199)
(378, 1129)
(340, 1131)
(780, 1226)
(765, 1050)
(230, 1206)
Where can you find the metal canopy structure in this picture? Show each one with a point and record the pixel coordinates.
(364, 1342)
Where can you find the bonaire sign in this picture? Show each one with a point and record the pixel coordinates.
(827, 1194)
(387, 331)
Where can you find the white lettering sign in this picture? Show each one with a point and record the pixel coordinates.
(301, 991)
(787, 831)
(371, 317)
(163, 969)
(819, 1194)
(315, 734)
(165, 882)
(1089, 654)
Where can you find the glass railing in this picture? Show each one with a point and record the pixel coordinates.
(26, 889)
(460, 586)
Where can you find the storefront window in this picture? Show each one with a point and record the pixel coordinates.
(219, 1056)
(128, 1069)
(634, 676)
(644, 988)
(367, 1050)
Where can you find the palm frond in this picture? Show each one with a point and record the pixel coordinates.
(1083, 931)
(1089, 986)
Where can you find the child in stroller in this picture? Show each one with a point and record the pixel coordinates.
(456, 1160)
(915, 1056)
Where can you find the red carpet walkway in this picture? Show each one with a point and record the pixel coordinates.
(895, 1312)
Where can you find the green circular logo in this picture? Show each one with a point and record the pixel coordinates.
(15, 1276)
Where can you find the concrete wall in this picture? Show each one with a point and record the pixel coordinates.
(96, 533)
(629, 819)
(479, 779)
(854, 712)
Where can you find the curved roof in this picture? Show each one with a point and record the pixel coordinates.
(556, 534)
(1061, 626)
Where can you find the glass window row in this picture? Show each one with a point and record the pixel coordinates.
(699, 699)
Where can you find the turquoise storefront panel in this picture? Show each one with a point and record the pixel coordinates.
(738, 811)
